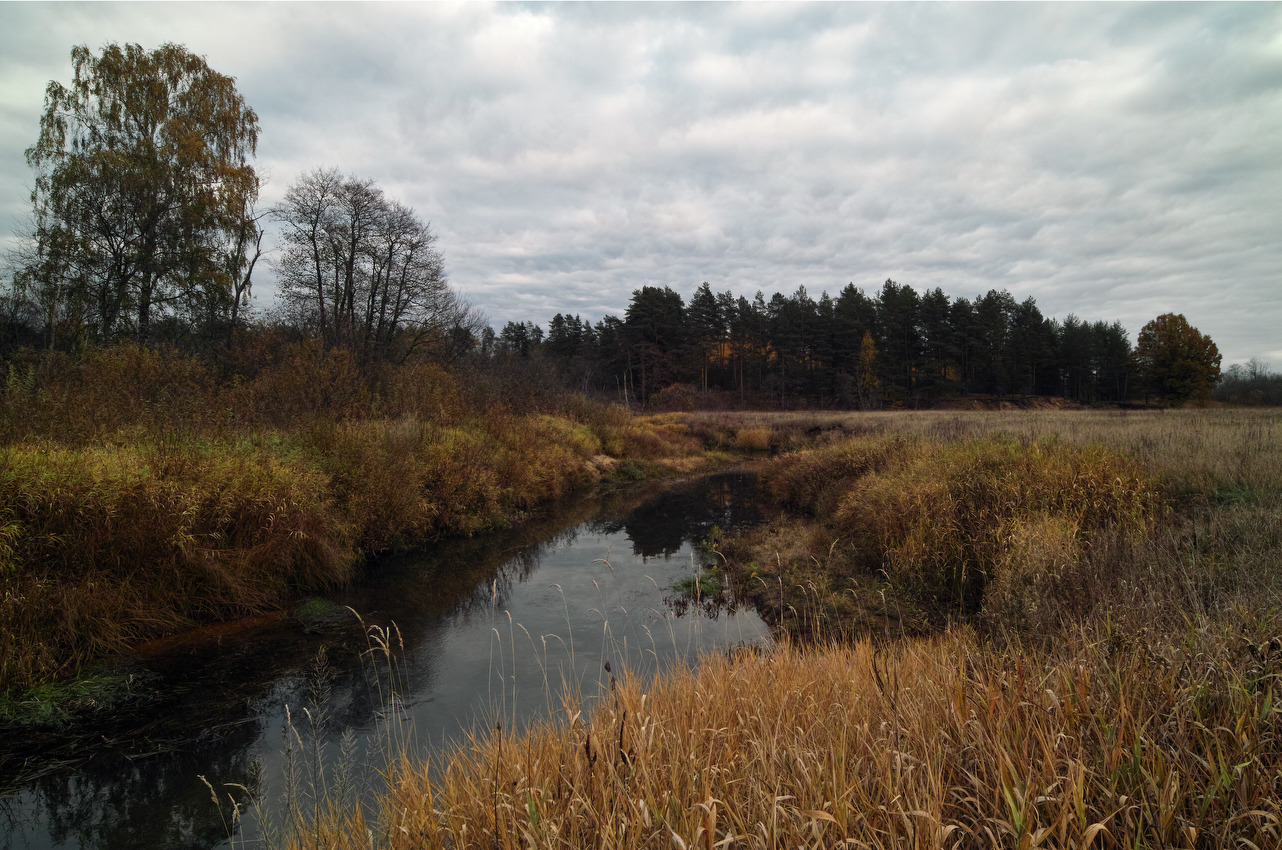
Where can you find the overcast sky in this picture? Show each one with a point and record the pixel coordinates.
(1114, 161)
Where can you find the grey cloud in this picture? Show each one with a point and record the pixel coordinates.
(1112, 161)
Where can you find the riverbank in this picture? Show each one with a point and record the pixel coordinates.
(1024, 523)
(1107, 675)
(478, 624)
(1072, 621)
(141, 493)
(939, 742)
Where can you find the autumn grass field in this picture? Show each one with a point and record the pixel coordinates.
(1019, 521)
(142, 493)
(1056, 629)
(1014, 629)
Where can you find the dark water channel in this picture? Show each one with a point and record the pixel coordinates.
(490, 628)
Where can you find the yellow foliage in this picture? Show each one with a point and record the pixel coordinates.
(926, 743)
(753, 439)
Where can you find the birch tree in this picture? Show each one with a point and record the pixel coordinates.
(142, 179)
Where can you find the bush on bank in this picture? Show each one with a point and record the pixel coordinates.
(961, 525)
(142, 491)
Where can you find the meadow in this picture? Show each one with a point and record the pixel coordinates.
(1010, 628)
(1056, 629)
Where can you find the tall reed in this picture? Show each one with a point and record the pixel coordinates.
(931, 743)
(1143, 714)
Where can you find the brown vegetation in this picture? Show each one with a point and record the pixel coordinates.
(1128, 701)
(1033, 521)
(934, 742)
(142, 491)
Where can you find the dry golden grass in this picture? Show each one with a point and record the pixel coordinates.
(1054, 515)
(753, 439)
(1193, 449)
(106, 546)
(141, 493)
(929, 743)
(1141, 714)
(950, 517)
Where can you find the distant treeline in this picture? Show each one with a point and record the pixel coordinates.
(1251, 384)
(894, 348)
(145, 229)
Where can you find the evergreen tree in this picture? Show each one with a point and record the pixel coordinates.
(854, 317)
(939, 349)
(993, 315)
(707, 330)
(1031, 349)
(899, 319)
(1112, 361)
(967, 343)
(654, 329)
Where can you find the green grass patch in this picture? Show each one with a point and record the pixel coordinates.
(1235, 495)
(630, 470)
(705, 585)
(317, 614)
(58, 703)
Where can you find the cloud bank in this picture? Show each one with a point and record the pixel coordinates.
(1113, 161)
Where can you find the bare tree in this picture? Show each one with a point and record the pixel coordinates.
(363, 270)
(306, 260)
(241, 256)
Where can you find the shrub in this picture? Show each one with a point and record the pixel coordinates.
(753, 439)
(816, 480)
(112, 545)
(952, 519)
(675, 397)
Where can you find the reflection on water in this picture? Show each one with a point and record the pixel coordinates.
(490, 627)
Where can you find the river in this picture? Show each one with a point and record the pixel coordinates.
(483, 631)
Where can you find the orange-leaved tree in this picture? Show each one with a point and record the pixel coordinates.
(1177, 362)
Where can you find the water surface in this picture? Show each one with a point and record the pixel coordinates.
(485, 631)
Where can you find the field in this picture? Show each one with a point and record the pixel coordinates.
(1054, 629)
(1018, 628)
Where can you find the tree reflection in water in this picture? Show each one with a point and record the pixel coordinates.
(215, 701)
(118, 799)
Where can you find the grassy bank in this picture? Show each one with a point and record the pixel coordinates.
(1102, 613)
(1027, 522)
(937, 742)
(142, 492)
